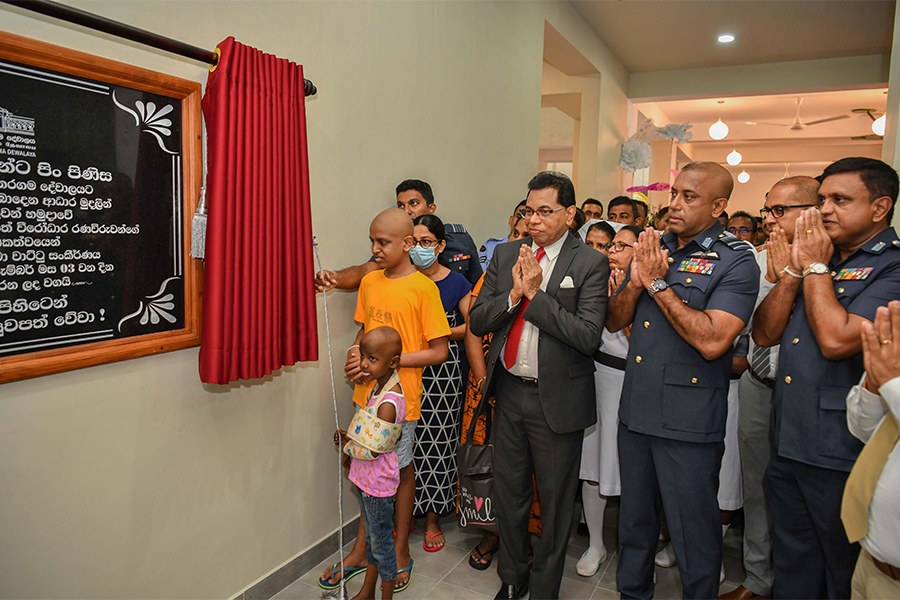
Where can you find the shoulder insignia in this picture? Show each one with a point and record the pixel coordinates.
(483, 248)
(454, 228)
(854, 273)
(707, 243)
(896, 243)
(878, 247)
(736, 243)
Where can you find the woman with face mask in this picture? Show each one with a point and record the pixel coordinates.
(437, 434)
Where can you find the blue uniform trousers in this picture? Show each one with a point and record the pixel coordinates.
(682, 478)
(810, 550)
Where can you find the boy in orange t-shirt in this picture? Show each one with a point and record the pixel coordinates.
(400, 297)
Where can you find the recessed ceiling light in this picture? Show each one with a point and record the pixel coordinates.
(726, 38)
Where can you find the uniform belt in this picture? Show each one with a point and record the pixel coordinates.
(613, 362)
(888, 569)
(769, 383)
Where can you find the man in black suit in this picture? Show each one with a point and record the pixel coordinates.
(544, 298)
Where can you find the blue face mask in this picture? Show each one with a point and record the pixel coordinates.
(422, 257)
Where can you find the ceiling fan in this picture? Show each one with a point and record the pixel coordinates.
(798, 124)
(871, 137)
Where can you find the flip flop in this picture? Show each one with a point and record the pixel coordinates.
(431, 537)
(412, 564)
(351, 572)
(476, 563)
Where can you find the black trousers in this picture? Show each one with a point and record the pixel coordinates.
(682, 478)
(524, 443)
(812, 556)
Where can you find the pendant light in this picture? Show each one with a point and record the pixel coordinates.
(743, 176)
(734, 158)
(878, 125)
(718, 130)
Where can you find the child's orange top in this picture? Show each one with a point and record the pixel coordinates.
(412, 306)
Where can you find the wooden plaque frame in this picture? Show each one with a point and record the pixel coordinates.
(64, 60)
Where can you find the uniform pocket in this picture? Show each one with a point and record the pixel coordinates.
(690, 286)
(835, 440)
(694, 398)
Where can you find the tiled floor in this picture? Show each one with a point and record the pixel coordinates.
(447, 574)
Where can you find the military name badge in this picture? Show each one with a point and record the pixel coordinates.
(854, 273)
(697, 265)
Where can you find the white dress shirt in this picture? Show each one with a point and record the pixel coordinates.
(527, 360)
(865, 412)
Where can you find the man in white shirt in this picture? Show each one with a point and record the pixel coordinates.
(784, 202)
(544, 298)
(870, 406)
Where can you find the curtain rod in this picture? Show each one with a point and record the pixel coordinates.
(141, 36)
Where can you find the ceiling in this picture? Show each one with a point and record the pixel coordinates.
(663, 35)
(736, 112)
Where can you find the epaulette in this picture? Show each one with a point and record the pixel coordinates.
(454, 228)
(735, 243)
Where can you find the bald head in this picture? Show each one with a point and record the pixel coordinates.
(393, 220)
(716, 178)
(383, 340)
(804, 189)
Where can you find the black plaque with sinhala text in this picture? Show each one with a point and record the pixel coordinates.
(91, 211)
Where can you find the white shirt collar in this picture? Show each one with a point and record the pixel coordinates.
(553, 249)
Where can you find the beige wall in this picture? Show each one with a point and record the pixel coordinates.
(133, 479)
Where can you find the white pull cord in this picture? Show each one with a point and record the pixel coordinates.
(337, 424)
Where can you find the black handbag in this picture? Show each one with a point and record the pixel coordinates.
(475, 465)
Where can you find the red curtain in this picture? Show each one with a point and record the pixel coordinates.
(259, 310)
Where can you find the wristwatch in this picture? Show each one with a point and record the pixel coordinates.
(816, 268)
(658, 285)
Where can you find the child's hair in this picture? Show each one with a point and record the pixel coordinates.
(386, 336)
(434, 225)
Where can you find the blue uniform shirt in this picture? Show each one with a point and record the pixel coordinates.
(670, 390)
(461, 253)
(810, 390)
(487, 250)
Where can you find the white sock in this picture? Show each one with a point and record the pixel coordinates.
(725, 529)
(594, 506)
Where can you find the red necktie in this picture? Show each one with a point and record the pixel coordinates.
(511, 352)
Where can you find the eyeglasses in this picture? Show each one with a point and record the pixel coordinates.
(543, 213)
(617, 246)
(736, 230)
(426, 243)
(778, 210)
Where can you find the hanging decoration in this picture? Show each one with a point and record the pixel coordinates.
(636, 154)
(653, 187)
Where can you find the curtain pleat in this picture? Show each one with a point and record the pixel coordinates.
(259, 310)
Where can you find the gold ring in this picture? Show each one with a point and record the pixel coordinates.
(809, 231)
(886, 342)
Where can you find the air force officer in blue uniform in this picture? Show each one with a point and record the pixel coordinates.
(687, 295)
(845, 263)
